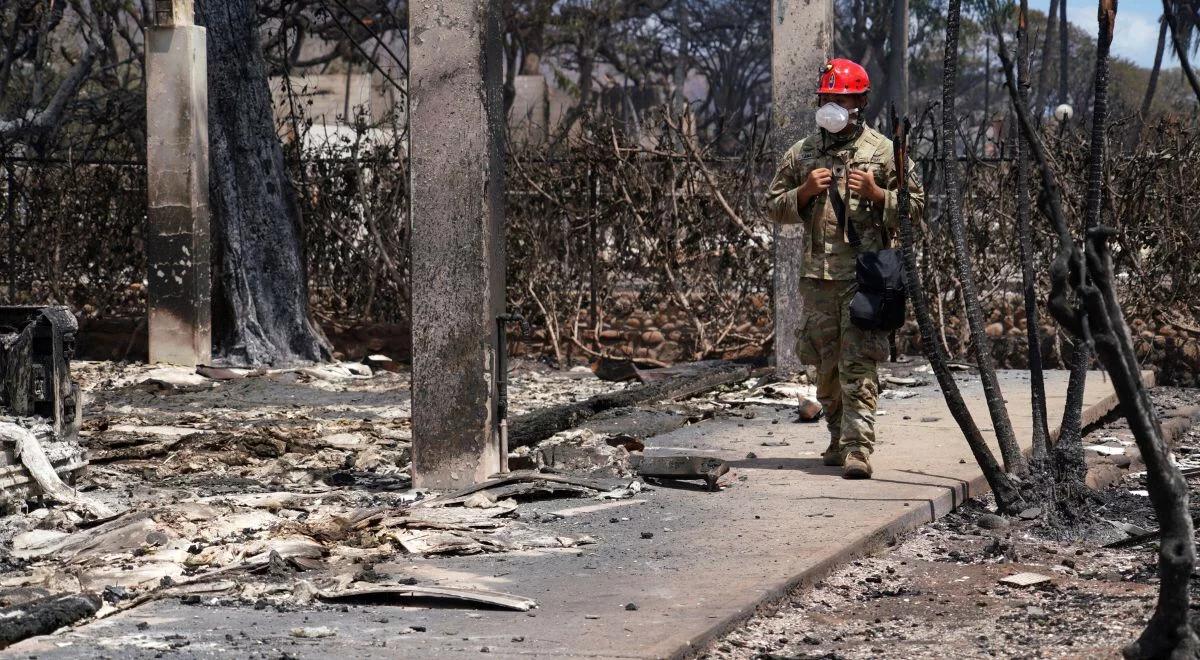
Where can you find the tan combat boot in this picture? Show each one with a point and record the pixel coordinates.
(832, 455)
(857, 466)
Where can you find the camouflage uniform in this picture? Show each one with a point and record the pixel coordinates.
(845, 356)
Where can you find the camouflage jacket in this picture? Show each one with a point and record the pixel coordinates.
(828, 254)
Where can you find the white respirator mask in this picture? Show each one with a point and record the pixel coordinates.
(833, 117)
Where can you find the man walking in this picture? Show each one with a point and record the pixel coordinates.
(848, 160)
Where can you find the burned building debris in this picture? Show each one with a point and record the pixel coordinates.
(40, 405)
(37, 346)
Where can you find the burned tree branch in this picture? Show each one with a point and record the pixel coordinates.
(1008, 497)
(1037, 383)
(1014, 460)
(39, 122)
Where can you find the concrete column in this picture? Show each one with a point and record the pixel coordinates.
(456, 125)
(802, 39)
(177, 171)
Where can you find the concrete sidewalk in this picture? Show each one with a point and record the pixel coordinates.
(712, 559)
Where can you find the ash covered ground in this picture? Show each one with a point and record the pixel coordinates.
(252, 477)
(291, 489)
(939, 592)
(289, 492)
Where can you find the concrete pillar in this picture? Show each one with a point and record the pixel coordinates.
(177, 172)
(456, 124)
(802, 39)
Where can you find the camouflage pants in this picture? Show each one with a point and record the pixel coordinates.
(845, 358)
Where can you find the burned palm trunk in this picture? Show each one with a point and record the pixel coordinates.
(1014, 461)
(1039, 101)
(1152, 86)
(1037, 382)
(1008, 497)
(1098, 318)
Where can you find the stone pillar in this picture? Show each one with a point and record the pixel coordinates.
(177, 183)
(802, 38)
(456, 124)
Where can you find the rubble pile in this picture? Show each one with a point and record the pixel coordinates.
(292, 487)
(262, 486)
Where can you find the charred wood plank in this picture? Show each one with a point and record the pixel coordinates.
(538, 425)
(44, 615)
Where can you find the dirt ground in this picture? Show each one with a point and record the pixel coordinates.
(937, 593)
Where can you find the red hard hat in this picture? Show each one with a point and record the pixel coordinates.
(842, 76)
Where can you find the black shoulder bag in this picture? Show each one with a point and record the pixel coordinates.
(881, 301)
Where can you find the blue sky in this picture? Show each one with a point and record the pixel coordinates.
(1137, 27)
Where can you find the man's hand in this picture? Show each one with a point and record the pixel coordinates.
(818, 181)
(863, 183)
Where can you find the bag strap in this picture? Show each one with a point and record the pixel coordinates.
(844, 223)
(872, 145)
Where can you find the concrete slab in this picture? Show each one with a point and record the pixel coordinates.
(712, 560)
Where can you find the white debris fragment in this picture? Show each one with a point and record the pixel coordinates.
(480, 500)
(901, 382)
(176, 378)
(772, 394)
(29, 449)
(1025, 579)
(1105, 450)
(622, 492)
(315, 632)
(338, 371)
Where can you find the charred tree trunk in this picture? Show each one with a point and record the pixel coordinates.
(1099, 317)
(1180, 48)
(1169, 632)
(1152, 86)
(1008, 497)
(1014, 460)
(1037, 383)
(1039, 101)
(1064, 52)
(898, 62)
(1069, 464)
(260, 306)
